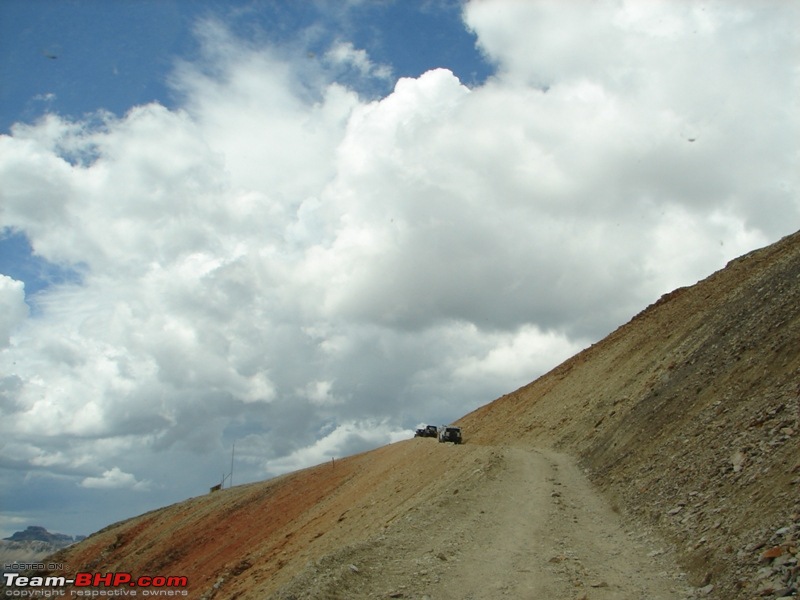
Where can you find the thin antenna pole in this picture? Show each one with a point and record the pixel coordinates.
(233, 449)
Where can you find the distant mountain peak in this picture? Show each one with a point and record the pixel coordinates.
(39, 534)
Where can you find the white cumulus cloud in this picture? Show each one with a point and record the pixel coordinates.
(115, 478)
(13, 309)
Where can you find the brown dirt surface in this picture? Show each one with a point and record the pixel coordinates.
(662, 462)
(521, 524)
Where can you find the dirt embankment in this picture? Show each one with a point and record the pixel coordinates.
(521, 524)
(686, 421)
(416, 519)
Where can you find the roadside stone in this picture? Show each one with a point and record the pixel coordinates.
(772, 552)
(737, 460)
(768, 589)
(705, 590)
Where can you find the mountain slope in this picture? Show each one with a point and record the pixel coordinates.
(688, 416)
(686, 419)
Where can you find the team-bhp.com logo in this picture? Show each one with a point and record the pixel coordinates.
(94, 585)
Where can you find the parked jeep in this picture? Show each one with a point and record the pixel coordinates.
(450, 434)
(427, 431)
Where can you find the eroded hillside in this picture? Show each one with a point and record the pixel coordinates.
(689, 418)
(686, 419)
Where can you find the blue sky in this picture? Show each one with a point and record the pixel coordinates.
(310, 227)
(76, 57)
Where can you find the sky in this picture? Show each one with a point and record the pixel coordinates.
(303, 229)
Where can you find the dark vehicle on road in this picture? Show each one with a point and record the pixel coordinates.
(427, 431)
(450, 434)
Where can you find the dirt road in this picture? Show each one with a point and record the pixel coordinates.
(520, 524)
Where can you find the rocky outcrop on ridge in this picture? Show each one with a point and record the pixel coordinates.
(40, 534)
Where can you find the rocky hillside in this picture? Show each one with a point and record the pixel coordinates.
(689, 418)
(686, 420)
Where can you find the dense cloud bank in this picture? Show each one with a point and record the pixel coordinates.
(284, 263)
